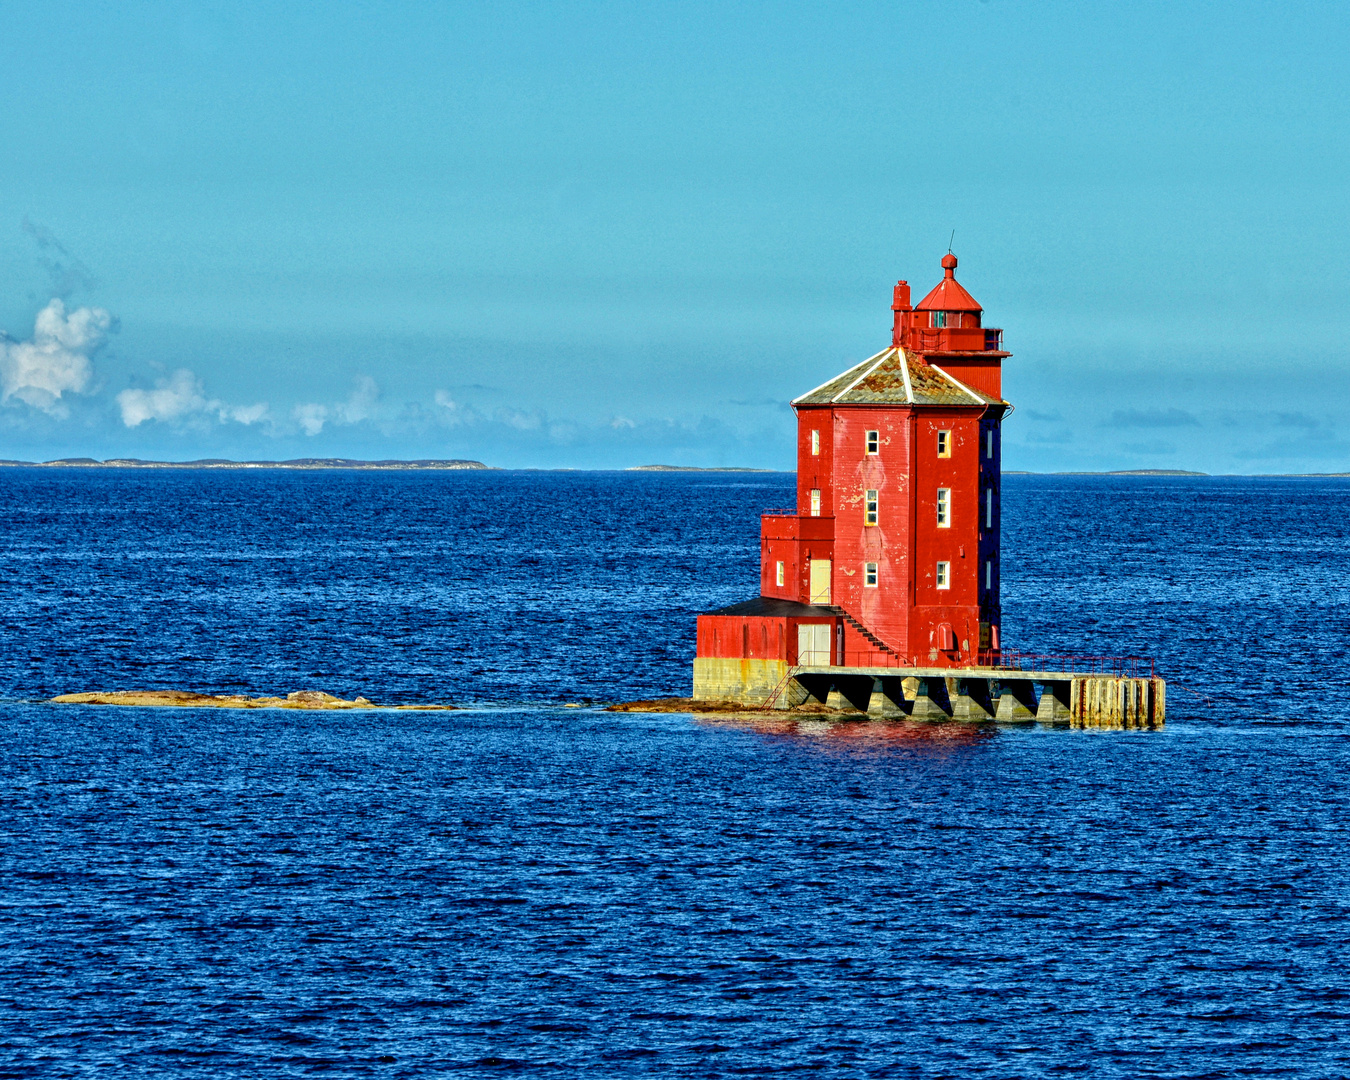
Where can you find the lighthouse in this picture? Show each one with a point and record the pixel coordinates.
(890, 559)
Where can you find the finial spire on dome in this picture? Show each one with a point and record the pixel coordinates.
(948, 295)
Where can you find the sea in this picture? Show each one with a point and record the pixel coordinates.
(532, 885)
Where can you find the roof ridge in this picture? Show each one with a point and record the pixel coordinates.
(881, 359)
(983, 399)
(827, 382)
(904, 371)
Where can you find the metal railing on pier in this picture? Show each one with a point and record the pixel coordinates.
(1117, 667)
(1011, 660)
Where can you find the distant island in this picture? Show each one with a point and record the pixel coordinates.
(692, 468)
(224, 463)
(1116, 472)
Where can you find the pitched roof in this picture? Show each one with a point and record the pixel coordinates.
(894, 377)
(948, 295)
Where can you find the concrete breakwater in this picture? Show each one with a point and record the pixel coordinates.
(1070, 699)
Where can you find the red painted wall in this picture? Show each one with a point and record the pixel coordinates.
(795, 540)
(738, 637)
(883, 609)
(814, 470)
(905, 609)
(957, 544)
(979, 373)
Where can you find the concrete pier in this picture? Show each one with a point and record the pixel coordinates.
(973, 695)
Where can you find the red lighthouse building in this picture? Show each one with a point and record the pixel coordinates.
(891, 556)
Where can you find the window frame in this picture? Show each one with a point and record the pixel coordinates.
(988, 575)
(815, 442)
(937, 320)
(944, 443)
(815, 502)
(870, 575)
(873, 443)
(989, 444)
(779, 575)
(989, 507)
(943, 574)
(871, 506)
(943, 508)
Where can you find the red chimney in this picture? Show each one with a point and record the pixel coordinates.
(901, 308)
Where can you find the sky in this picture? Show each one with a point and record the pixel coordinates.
(566, 235)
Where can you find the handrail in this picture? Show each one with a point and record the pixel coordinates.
(1120, 667)
(772, 699)
(1011, 661)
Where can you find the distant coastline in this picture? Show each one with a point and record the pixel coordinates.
(1187, 472)
(1114, 472)
(449, 464)
(224, 463)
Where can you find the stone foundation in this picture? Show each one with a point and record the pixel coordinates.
(748, 681)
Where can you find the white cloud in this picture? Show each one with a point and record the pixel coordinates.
(179, 397)
(57, 360)
(363, 404)
(311, 417)
(172, 399)
(246, 414)
(521, 421)
(454, 413)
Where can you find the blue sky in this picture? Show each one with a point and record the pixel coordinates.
(599, 235)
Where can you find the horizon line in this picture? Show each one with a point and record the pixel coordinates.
(462, 464)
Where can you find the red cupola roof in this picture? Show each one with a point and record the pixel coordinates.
(948, 296)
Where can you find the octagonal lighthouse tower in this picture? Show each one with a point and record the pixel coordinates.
(891, 556)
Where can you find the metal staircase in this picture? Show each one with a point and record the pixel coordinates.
(876, 641)
(772, 700)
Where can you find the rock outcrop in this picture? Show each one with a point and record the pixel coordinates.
(186, 699)
(725, 705)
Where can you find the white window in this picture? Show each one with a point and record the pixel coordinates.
(988, 508)
(989, 444)
(780, 572)
(944, 444)
(873, 442)
(870, 575)
(944, 508)
(870, 510)
(815, 442)
(815, 502)
(988, 574)
(938, 318)
(944, 575)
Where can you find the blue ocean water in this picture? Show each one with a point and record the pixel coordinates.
(523, 886)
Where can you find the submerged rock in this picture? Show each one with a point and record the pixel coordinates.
(186, 699)
(713, 705)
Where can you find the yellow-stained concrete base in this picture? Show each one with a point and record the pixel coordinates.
(748, 681)
(1118, 703)
(978, 695)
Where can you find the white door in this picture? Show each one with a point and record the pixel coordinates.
(813, 644)
(820, 581)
